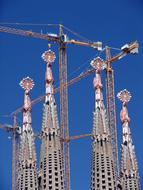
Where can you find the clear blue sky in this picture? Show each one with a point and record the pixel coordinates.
(114, 23)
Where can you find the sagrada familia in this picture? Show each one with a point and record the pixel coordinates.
(50, 175)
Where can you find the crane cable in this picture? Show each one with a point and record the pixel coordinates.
(87, 62)
(75, 33)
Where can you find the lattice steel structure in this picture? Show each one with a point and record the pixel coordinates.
(103, 170)
(129, 167)
(111, 108)
(27, 178)
(51, 158)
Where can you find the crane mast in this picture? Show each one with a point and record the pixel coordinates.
(111, 110)
(64, 105)
(110, 94)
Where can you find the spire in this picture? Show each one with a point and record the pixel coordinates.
(51, 157)
(27, 84)
(27, 172)
(27, 151)
(129, 167)
(100, 112)
(50, 120)
(102, 172)
(49, 57)
(125, 96)
(98, 64)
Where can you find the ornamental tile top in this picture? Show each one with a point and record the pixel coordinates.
(98, 64)
(49, 56)
(27, 84)
(124, 96)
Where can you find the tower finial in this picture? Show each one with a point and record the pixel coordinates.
(124, 96)
(98, 64)
(27, 84)
(49, 56)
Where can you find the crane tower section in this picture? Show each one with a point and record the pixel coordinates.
(111, 108)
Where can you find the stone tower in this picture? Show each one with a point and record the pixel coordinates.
(27, 178)
(51, 157)
(129, 168)
(103, 170)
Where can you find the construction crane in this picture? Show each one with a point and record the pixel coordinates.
(62, 40)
